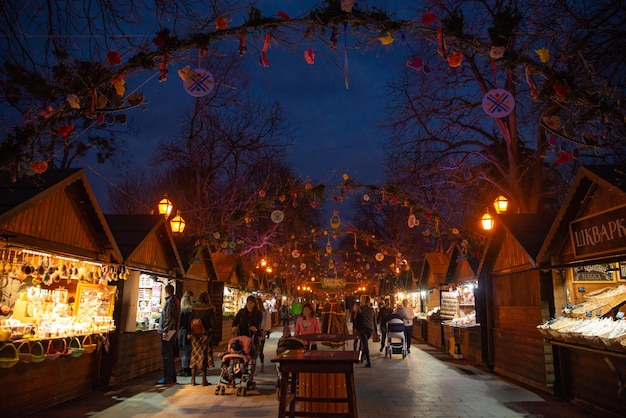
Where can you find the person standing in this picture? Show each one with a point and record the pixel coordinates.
(407, 315)
(184, 343)
(307, 323)
(384, 313)
(248, 322)
(285, 314)
(366, 320)
(201, 323)
(168, 324)
(266, 327)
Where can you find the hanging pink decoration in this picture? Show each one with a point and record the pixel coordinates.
(498, 103)
(309, 56)
(416, 63)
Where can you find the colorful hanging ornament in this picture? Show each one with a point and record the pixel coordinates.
(263, 61)
(498, 103)
(278, 216)
(387, 39)
(379, 257)
(198, 82)
(455, 59)
(413, 221)
(242, 49)
(428, 18)
(114, 57)
(415, 63)
(221, 23)
(163, 69)
(309, 56)
(544, 54)
(334, 220)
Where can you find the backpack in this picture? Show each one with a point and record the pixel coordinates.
(197, 327)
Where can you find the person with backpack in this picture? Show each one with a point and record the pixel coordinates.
(201, 323)
(184, 343)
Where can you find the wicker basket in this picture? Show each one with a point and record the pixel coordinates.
(75, 347)
(38, 352)
(24, 352)
(9, 356)
(55, 351)
(88, 344)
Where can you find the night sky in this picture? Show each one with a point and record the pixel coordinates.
(335, 129)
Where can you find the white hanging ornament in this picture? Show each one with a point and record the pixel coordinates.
(498, 103)
(413, 221)
(198, 82)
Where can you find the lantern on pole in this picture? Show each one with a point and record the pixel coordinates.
(177, 224)
(165, 207)
(487, 222)
(501, 204)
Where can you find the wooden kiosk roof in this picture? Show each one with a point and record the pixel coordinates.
(57, 210)
(146, 243)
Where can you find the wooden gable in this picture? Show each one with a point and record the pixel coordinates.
(57, 211)
(434, 270)
(511, 256)
(594, 190)
(146, 243)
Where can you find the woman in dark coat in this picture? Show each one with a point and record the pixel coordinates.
(201, 352)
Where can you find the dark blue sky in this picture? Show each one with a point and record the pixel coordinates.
(335, 129)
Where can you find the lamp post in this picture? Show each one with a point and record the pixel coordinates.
(177, 223)
(501, 204)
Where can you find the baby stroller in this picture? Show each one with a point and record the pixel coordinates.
(284, 344)
(396, 343)
(237, 368)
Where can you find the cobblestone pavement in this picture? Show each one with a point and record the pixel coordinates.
(427, 383)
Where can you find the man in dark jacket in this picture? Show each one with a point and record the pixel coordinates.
(366, 320)
(168, 325)
(384, 313)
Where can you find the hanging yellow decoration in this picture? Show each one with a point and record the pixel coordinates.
(544, 54)
(387, 39)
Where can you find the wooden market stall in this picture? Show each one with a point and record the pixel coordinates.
(58, 262)
(515, 290)
(152, 260)
(586, 252)
(462, 333)
(432, 278)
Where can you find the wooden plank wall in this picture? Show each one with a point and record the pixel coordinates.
(30, 387)
(519, 349)
(589, 381)
(434, 334)
(136, 353)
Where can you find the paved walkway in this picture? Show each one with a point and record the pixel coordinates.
(427, 383)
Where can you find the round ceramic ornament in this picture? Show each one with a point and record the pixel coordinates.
(380, 257)
(498, 103)
(200, 83)
(335, 221)
(278, 216)
(413, 222)
(302, 266)
(295, 253)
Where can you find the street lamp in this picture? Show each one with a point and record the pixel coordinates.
(177, 224)
(487, 222)
(501, 204)
(165, 206)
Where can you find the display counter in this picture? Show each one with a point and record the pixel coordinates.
(591, 376)
(463, 341)
(37, 373)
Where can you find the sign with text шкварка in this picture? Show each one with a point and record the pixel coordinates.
(602, 233)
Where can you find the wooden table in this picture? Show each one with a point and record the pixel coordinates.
(336, 338)
(323, 362)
